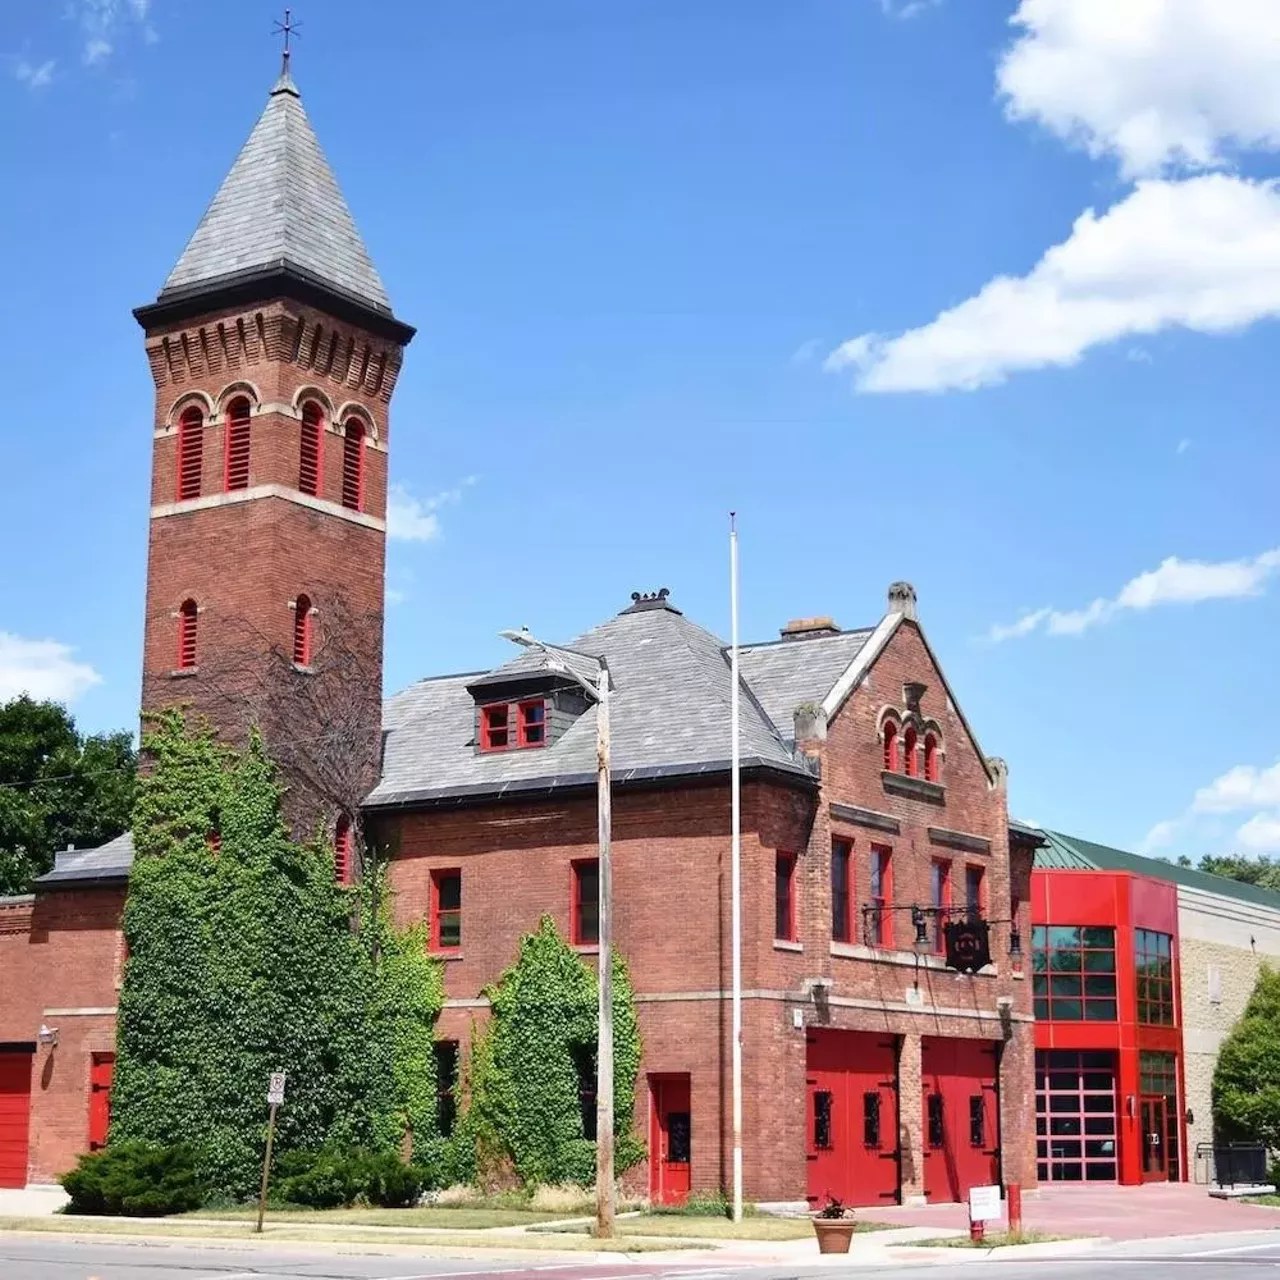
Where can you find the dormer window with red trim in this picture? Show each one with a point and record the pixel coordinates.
(188, 626)
(237, 461)
(302, 631)
(890, 747)
(190, 453)
(507, 726)
(353, 466)
(309, 448)
(911, 757)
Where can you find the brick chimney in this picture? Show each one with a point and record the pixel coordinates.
(809, 629)
(902, 599)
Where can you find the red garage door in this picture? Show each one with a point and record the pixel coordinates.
(961, 1117)
(15, 1113)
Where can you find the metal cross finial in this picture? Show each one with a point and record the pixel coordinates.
(288, 27)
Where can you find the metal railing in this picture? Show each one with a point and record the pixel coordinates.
(1231, 1164)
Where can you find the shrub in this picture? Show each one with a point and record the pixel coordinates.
(390, 1183)
(136, 1179)
(333, 1179)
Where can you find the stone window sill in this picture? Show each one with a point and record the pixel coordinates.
(786, 944)
(184, 673)
(914, 788)
(443, 954)
(586, 948)
(907, 959)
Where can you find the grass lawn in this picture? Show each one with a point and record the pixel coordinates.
(993, 1240)
(444, 1217)
(337, 1233)
(1270, 1202)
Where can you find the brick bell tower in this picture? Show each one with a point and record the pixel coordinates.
(275, 353)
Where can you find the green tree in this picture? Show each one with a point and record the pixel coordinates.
(56, 788)
(1263, 872)
(1246, 1080)
(529, 1070)
(246, 957)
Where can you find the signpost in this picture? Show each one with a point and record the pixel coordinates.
(984, 1206)
(275, 1096)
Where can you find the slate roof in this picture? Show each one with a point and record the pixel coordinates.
(784, 673)
(279, 206)
(1071, 853)
(110, 861)
(669, 713)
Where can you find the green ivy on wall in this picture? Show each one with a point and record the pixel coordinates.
(527, 1068)
(246, 958)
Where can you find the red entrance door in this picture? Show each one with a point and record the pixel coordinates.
(852, 1117)
(1155, 1160)
(15, 1115)
(101, 1069)
(961, 1117)
(670, 1139)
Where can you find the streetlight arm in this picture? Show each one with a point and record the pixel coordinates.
(528, 641)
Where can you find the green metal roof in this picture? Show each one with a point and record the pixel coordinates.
(1071, 853)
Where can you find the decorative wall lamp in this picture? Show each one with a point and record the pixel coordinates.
(47, 1035)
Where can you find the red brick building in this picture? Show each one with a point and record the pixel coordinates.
(870, 814)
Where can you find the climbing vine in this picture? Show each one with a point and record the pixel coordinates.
(246, 957)
(530, 1068)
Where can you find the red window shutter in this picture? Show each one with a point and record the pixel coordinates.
(190, 453)
(309, 454)
(237, 476)
(342, 850)
(101, 1070)
(302, 632)
(188, 624)
(353, 467)
(911, 760)
(930, 758)
(891, 748)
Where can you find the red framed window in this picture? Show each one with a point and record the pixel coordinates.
(784, 897)
(353, 466)
(891, 747)
(841, 891)
(940, 900)
(309, 448)
(342, 859)
(880, 924)
(188, 627)
(302, 631)
(974, 892)
(495, 731)
(1153, 962)
(910, 756)
(236, 472)
(584, 910)
(446, 910)
(932, 764)
(190, 453)
(532, 724)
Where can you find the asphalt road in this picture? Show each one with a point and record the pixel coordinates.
(27, 1258)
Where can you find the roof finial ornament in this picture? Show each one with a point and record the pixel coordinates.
(286, 28)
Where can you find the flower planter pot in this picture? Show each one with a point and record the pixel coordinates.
(834, 1234)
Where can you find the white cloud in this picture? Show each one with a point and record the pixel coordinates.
(100, 21)
(1261, 833)
(1183, 446)
(1159, 837)
(1173, 582)
(906, 8)
(807, 351)
(1154, 83)
(411, 519)
(96, 49)
(43, 669)
(1243, 787)
(34, 75)
(1203, 254)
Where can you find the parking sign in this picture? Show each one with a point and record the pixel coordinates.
(275, 1089)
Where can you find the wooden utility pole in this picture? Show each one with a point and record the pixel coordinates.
(266, 1168)
(604, 1036)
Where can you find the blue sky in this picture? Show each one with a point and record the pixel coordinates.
(827, 262)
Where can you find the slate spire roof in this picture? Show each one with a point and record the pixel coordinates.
(279, 208)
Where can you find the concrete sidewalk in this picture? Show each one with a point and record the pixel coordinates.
(31, 1202)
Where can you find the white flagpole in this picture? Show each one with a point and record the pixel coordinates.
(735, 788)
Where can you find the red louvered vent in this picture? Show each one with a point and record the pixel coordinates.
(302, 632)
(188, 624)
(190, 453)
(309, 454)
(353, 467)
(342, 850)
(238, 444)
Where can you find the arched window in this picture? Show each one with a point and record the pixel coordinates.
(890, 747)
(188, 623)
(237, 466)
(309, 449)
(353, 466)
(190, 453)
(342, 850)
(911, 758)
(931, 764)
(302, 632)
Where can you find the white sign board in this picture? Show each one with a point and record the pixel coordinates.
(985, 1204)
(275, 1090)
